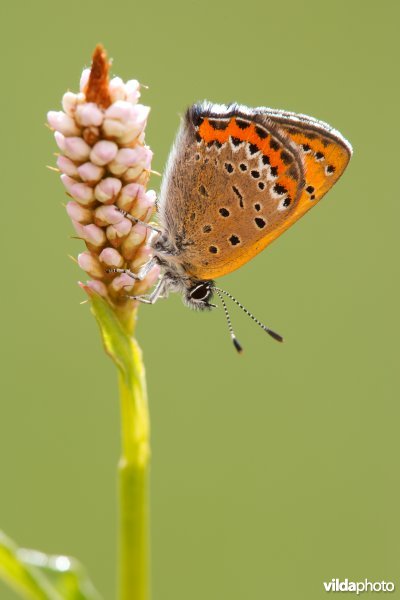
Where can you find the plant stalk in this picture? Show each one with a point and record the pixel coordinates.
(134, 483)
(117, 326)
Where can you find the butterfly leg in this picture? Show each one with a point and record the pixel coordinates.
(135, 220)
(155, 295)
(145, 270)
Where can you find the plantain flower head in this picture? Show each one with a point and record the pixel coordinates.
(105, 166)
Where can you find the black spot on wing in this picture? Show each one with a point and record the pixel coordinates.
(236, 141)
(197, 119)
(286, 158)
(261, 132)
(219, 123)
(242, 124)
(239, 195)
(280, 189)
(260, 222)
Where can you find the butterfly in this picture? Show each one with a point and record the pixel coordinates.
(235, 180)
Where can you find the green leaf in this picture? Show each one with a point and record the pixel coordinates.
(66, 574)
(37, 576)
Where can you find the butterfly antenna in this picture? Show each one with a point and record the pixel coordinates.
(273, 334)
(232, 333)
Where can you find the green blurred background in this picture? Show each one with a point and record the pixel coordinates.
(274, 471)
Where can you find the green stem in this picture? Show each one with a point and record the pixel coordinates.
(116, 326)
(134, 482)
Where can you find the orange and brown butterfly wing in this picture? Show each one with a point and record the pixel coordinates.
(236, 180)
(325, 154)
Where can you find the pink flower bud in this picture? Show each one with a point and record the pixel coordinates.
(135, 128)
(123, 227)
(143, 205)
(84, 79)
(117, 89)
(67, 166)
(132, 174)
(90, 263)
(107, 190)
(125, 121)
(136, 237)
(142, 256)
(89, 114)
(69, 103)
(91, 135)
(126, 157)
(61, 122)
(143, 178)
(132, 89)
(103, 152)
(60, 140)
(113, 129)
(122, 283)
(99, 287)
(78, 213)
(79, 191)
(107, 215)
(138, 158)
(111, 258)
(90, 173)
(68, 182)
(73, 147)
(128, 195)
(116, 233)
(121, 111)
(91, 234)
(143, 286)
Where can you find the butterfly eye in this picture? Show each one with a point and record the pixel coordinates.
(284, 203)
(200, 292)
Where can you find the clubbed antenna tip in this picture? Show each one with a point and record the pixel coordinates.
(237, 345)
(275, 335)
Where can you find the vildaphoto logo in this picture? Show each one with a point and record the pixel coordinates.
(336, 585)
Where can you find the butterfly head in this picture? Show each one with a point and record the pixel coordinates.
(199, 294)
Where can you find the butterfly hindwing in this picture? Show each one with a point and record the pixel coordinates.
(325, 152)
(239, 177)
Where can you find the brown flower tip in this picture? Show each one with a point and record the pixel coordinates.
(97, 90)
